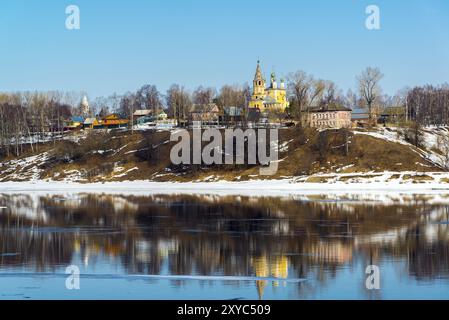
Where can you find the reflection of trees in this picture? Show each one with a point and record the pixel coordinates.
(39, 250)
(428, 261)
(426, 258)
(212, 235)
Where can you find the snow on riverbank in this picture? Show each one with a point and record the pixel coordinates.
(245, 188)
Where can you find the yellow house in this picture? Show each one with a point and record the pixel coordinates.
(90, 123)
(271, 98)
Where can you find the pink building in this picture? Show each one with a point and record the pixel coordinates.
(330, 116)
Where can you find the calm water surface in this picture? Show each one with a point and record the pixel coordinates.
(218, 247)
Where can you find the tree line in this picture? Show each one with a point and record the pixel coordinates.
(35, 117)
(428, 105)
(30, 117)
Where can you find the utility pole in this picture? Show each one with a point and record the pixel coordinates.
(406, 108)
(132, 116)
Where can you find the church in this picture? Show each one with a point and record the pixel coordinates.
(271, 98)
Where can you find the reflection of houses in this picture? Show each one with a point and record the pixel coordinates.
(276, 267)
(328, 116)
(337, 252)
(145, 250)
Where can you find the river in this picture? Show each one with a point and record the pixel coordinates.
(223, 247)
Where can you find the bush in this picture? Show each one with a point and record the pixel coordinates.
(323, 145)
(413, 134)
(100, 170)
(68, 151)
(332, 142)
(149, 147)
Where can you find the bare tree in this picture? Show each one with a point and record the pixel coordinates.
(299, 84)
(351, 100)
(429, 105)
(233, 95)
(331, 94)
(148, 97)
(203, 96)
(178, 102)
(316, 92)
(369, 87)
(443, 146)
(128, 104)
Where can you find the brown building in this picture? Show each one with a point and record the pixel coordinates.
(206, 114)
(331, 116)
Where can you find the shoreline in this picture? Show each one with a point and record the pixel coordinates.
(284, 187)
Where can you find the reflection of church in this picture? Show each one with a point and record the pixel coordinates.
(272, 98)
(276, 268)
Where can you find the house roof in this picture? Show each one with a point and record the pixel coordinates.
(278, 88)
(233, 111)
(77, 119)
(359, 116)
(329, 108)
(90, 121)
(204, 108)
(139, 113)
(269, 99)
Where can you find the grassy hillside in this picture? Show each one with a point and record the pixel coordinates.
(120, 155)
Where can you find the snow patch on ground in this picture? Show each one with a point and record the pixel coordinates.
(25, 169)
(125, 173)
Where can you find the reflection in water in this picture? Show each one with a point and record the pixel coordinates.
(271, 239)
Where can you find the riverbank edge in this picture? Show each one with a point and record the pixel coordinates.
(244, 188)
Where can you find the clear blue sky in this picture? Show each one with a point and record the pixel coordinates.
(125, 44)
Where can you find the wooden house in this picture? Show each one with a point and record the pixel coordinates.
(205, 114)
(75, 123)
(90, 123)
(113, 121)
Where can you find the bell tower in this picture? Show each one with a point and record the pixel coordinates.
(258, 84)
